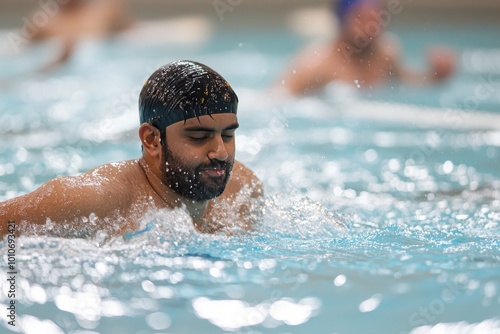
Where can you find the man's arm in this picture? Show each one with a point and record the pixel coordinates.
(441, 65)
(308, 72)
(74, 203)
(68, 45)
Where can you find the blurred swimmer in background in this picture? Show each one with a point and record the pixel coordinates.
(361, 54)
(71, 21)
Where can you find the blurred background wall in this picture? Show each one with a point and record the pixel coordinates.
(264, 13)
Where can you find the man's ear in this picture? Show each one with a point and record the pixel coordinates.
(151, 139)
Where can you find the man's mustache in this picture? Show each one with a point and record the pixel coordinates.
(215, 164)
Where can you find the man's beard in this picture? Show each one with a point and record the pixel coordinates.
(190, 182)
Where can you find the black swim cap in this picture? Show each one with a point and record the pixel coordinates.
(182, 90)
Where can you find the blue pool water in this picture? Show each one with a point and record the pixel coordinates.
(413, 174)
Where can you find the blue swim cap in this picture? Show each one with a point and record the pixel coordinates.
(184, 89)
(343, 7)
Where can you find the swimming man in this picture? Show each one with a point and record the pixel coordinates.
(361, 55)
(188, 123)
(76, 20)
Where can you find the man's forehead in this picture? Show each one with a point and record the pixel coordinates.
(213, 121)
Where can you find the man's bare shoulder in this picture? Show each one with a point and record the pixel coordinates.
(243, 176)
(100, 180)
(311, 69)
(317, 50)
(240, 205)
(110, 173)
(314, 57)
(389, 47)
(117, 183)
(103, 192)
(91, 183)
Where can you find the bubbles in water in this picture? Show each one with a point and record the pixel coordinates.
(148, 286)
(301, 217)
(37, 294)
(235, 314)
(447, 167)
(462, 327)
(158, 321)
(370, 304)
(340, 280)
(33, 325)
(370, 155)
(292, 313)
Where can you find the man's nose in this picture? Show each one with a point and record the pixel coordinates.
(218, 149)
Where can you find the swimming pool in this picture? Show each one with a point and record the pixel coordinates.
(416, 180)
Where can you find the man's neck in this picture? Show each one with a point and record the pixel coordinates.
(196, 209)
(365, 52)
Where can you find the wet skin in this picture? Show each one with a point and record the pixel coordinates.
(117, 195)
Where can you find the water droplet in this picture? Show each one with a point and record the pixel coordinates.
(339, 280)
(370, 304)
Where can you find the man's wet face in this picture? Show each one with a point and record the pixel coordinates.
(198, 156)
(197, 182)
(362, 24)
